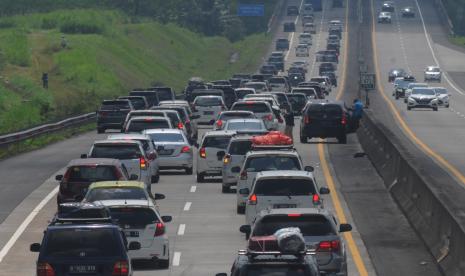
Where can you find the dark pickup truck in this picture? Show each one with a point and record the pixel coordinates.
(112, 114)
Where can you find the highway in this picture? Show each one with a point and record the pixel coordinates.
(204, 236)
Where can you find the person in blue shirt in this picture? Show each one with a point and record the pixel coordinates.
(357, 112)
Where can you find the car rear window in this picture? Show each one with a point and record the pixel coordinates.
(240, 147)
(296, 98)
(311, 93)
(115, 194)
(112, 105)
(173, 117)
(166, 137)
(138, 126)
(309, 225)
(164, 94)
(272, 163)
(236, 115)
(137, 103)
(91, 173)
(322, 110)
(241, 93)
(82, 243)
(208, 101)
(244, 126)
(288, 269)
(254, 107)
(134, 217)
(180, 111)
(116, 151)
(289, 187)
(220, 142)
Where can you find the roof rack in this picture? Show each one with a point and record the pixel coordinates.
(272, 147)
(253, 254)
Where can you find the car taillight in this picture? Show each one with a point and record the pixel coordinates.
(316, 199)
(329, 245)
(268, 117)
(45, 269)
(219, 123)
(202, 153)
(180, 125)
(227, 159)
(186, 149)
(244, 175)
(344, 119)
(253, 199)
(294, 215)
(120, 268)
(143, 163)
(307, 119)
(159, 229)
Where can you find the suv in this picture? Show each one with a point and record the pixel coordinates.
(86, 245)
(423, 97)
(235, 155)
(400, 85)
(279, 84)
(319, 228)
(268, 158)
(208, 108)
(433, 73)
(112, 113)
(282, 189)
(261, 110)
(211, 153)
(141, 123)
(324, 119)
(138, 102)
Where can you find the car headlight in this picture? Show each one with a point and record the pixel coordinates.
(411, 100)
(435, 100)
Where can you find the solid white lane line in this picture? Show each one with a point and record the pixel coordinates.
(187, 206)
(432, 51)
(193, 189)
(181, 229)
(317, 46)
(291, 39)
(26, 223)
(176, 258)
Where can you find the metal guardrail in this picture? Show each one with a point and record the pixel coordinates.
(12, 138)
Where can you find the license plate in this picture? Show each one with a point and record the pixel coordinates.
(280, 206)
(133, 234)
(208, 112)
(165, 152)
(82, 269)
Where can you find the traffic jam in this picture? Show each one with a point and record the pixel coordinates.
(238, 131)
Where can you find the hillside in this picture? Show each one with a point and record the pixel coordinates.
(107, 55)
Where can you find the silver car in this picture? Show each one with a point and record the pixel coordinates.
(410, 87)
(423, 97)
(261, 110)
(228, 115)
(443, 96)
(208, 108)
(433, 73)
(235, 156)
(245, 125)
(384, 17)
(139, 124)
(174, 150)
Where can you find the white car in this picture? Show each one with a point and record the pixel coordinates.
(141, 222)
(385, 17)
(410, 87)
(245, 125)
(234, 157)
(423, 97)
(305, 38)
(433, 73)
(231, 114)
(208, 108)
(262, 109)
(211, 152)
(282, 189)
(302, 50)
(443, 96)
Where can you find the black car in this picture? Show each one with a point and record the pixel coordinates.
(298, 101)
(296, 78)
(229, 94)
(408, 12)
(292, 10)
(396, 73)
(324, 119)
(84, 243)
(138, 102)
(268, 69)
(326, 67)
(332, 77)
(112, 113)
(164, 93)
(278, 62)
(150, 96)
(289, 27)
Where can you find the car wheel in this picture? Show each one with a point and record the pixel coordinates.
(200, 178)
(447, 105)
(164, 264)
(225, 189)
(303, 139)
(409, 108)
(100, 130)
(155, 178)
(189, 171)
(342, 139)
(397, 96)
(240, 210)
(405, 100)
(435, 108)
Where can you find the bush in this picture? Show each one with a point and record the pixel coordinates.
(15, 48)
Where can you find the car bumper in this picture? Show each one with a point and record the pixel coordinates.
(412, 104)
(158, 251)
(181, 161)
(323, 132)
(229, 179)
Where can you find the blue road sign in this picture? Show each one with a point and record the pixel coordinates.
(251, 10)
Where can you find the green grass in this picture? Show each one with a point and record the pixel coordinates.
(458, 40)
(106, 57)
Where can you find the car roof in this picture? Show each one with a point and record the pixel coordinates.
(93, 161)
(163, 130)
(252, 152)
(127, 202)
(117, 141)
(152, 118)
(56, 227)
(209, 96)
(303, 211)
(128, 136)
(220, 133)
(117, 184)
(244, 120)
(242, 137)
(285, 174)
(325, 102)
(236, 111)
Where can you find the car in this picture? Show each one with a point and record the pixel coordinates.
(315, 86)
(116, 190)
(112, 113)
(307, 19)
(319, 227)
(423, 97)
(307, 9)
(187, 117)
(282, 44)
(305, 38)
(173, 148)
(261, 110)
(268, 68)
(204, 92)
(408, 12)
(241, 92)
(443, 96)
(332, 77)
(164, 93)
(324, 119)
(147, 146)
(309, 92)
(302, 50)
(295, 79)
(298, 102)
(80, 173)
(335, 23)
(228, 115)
(327, 56)
(149, 113)
(234, 156)
(138, 102)
(433, 73)
(283, 101)
(396, 73)
(132, 154)
(211, 152)
(150, 96)
(236, 83)
(259, 86)
(192, 84)
(142, 223)
(388, 6)
(412, 85)
(263, 159)
(292, 10)
(335, 32)
(245, 125)
(324, 82)
(208, 108)
(327, 66)
(289, 27)
(141, 123)
(334, 45)
(85, 246)
(282, 189)
(333, 39)
(309, 28)
(302, 64)
(229, 96)
(401, 84)
(384, 17)
(277, 62)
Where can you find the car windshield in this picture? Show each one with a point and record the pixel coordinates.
(251, 106)
(240, 147)
(115, 194)
(275, 270)
(116, 151)
(433, 69)
(166, 137)
(138, 103)
(208, 101)
(220, 142)
(135, 217)
(309, 225)
(82, 243)
(441, 90)
(91, 173)
(244, 125)
(272, 163)
(139, 126)
(428, 92)
(287, 187)
(112, 105)
(413, 85)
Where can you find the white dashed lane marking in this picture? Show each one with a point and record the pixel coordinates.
(181, 229)
(187, 206)
(193, 189)
(176, 258)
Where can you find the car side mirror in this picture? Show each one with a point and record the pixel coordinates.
(309, 168)
(324, 191)
(59, 177)
(133, 177)
(220, 155)
(159, 196)
(134, 246)
(345, 227)
(83, 156)
(35, 247)
(244, 191)
(246, 229)
(167, 218)
(236, 169)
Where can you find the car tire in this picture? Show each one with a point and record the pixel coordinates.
(225, 189)
(405, 100)
(303, 139)
(163, 264)
(342, 139)
(189, 171)
(156, 178)
(447, 105)
(435, 108)
(409, 108)
(100, 130)
(397, 96)
(200, 178)
(240, 210)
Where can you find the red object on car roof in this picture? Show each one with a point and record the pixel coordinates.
(272, 138)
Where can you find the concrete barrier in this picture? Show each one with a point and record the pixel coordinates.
(430, 198)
